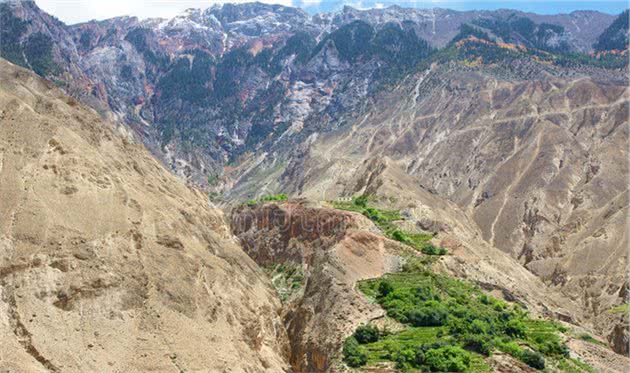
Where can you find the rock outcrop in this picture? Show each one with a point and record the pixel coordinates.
(108, 263)
(335, 249)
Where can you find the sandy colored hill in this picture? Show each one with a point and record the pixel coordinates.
(537, 166)
(108, 263)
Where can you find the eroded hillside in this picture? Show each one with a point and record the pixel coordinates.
(109, 263)
(539, 165)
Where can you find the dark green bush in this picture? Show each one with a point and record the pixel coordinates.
(360, 201)
(551, 346)
(432, 313)
(447, 359)
(384, 288)
(366, 334)
(432, 250)
(404, 358)
(479, 343)
(533, 359)
(353, 355)
(515, 328)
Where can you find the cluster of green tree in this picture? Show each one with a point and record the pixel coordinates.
(537, 39)
(606, 61)
(139, 38)
(200, 88)
(466, 30)
(399, 49)
(36, 51)
(188, 81)
(300, 45)
(615, 37)
(522, 30)
(452, 325)
(11, 31)
(385, 219)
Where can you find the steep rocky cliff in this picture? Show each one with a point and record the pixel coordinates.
(208, 86)
(109, 263)
(334, 250)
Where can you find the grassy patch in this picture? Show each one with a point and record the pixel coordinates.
(385, 219)
(387, 347)
(571, 365)
(589, 338)
(287, 279)
(274, 197)
(267, 198)
(622, 308)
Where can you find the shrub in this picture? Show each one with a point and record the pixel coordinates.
(479, 327)
(447, 359)
(587, 337)
(533, 359)
(360, 201)
(353, 355)
(431, 313)
(405, 358)
(515, 328)
(373, 214)
(366, 334)
(511, 348)
(479, 343)
(400, 236)
(275, 197)
(384, 288)
(426, 292)
(432, 250)
(552, 347)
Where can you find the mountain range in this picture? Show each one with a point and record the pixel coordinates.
(502, 133)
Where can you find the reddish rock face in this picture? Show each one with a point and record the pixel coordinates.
(336, 249)
(285, 222)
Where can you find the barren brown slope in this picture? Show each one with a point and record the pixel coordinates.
(108, 263)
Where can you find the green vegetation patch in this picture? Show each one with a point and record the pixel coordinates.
(34, 51)
(615, 37)
(268, 198)
(589, 338)
(622, 308)
(287, 279)
(452, 325)
(385, 219)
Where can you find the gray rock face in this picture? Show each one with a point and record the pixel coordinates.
(252, 84)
